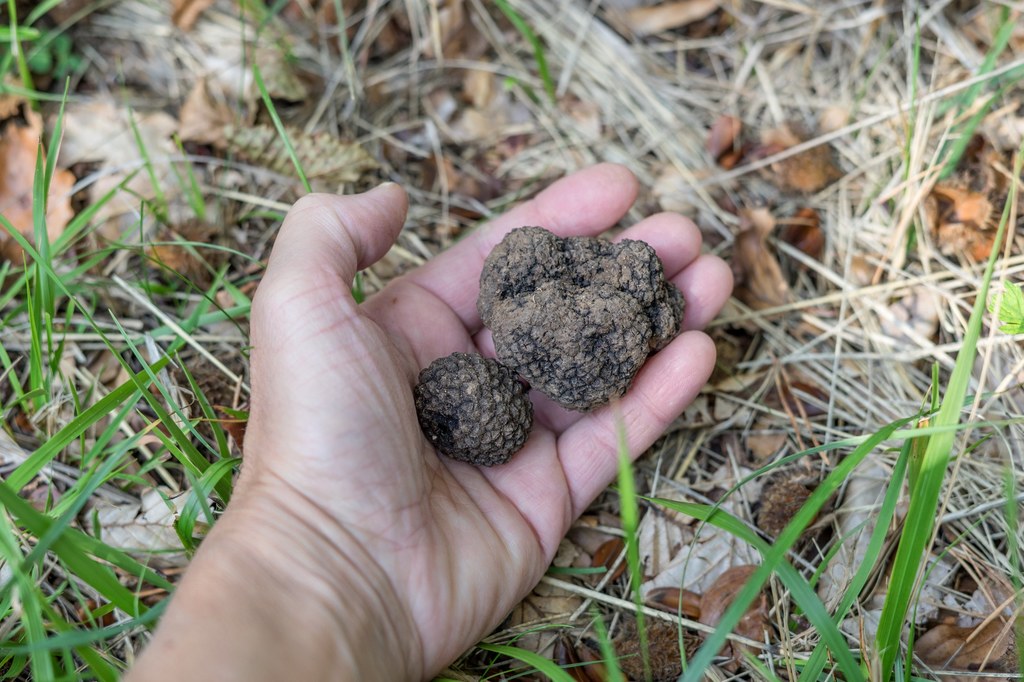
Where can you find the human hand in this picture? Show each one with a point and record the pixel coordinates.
(387, 550)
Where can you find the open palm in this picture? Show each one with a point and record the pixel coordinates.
(333, 436)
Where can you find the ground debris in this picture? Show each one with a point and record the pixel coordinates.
(20, 143)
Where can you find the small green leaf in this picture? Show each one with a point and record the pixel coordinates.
(1010, 304)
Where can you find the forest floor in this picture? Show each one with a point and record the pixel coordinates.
(851, 160)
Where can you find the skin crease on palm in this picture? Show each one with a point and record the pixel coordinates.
(371, 556)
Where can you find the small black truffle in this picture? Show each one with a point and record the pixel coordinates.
(473, 409)
(577, 316)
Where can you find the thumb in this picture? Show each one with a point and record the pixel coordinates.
(334, 236)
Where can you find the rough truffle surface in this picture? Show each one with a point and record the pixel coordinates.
(473, 409)
(577, 316)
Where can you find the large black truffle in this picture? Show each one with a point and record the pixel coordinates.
(577, 316)
(473, 409)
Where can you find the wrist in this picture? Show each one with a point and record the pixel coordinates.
(269, 596)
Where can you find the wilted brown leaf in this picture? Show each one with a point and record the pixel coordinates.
(799, 398)
(675, 600)
(803, 230)
(723, 141)
(580, 662)
(961, 221)
(989, 647)
(145, 527)
(913, 316)
(806, 172)
(10, 102)
(185, 13)
(606, 555)
(205, 118)
(721, 595)
(100, 131)
(667, 15)
(173, 251)
(759, 279)
(322, 156)
(19, 146)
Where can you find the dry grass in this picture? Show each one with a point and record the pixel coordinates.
(460, 118)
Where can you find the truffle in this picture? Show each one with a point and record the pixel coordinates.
(577, 316)
(473, 409)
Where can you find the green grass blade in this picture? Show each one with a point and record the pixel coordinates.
(541, 664)
(774, 558)
(629, 512)
(613, 673)
(919, 523)
(538, 48)
(876, 544)
(272, 110)
(97, 575)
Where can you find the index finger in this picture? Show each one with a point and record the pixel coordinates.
(587, 202)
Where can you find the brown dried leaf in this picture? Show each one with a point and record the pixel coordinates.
(961, 221)
(720, 596)
(989, 647)
(579, 662)
(10, 103)
(806, 172)
(279, 75)
(145, 527)
(722, 140)
(606, 555)
(446, 24)
(799, 398)
(668, 15)
(204, 118)
(803, 231)
(675, 600)
(760, 283)
(19, 146)
(322, 156)
(100, 131)
(185, 13)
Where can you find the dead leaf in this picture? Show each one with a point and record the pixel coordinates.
(100, 131)
(671, 554)
(723, 141)
(579, 662)
(172, 251)
(279, 74)
(204, 117)
(19, 146)
(720, 597)
(478, 87)
(675, 600)
(322, 156)
(806, 172)
(446, 23)
(989, 647)
(145, 527)
(799, 398)
(606, 555)
(185, 13)
(913, 316)
(645, 21)
(803, 231)
(10, 103)
(759, 279)
(961, 221)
